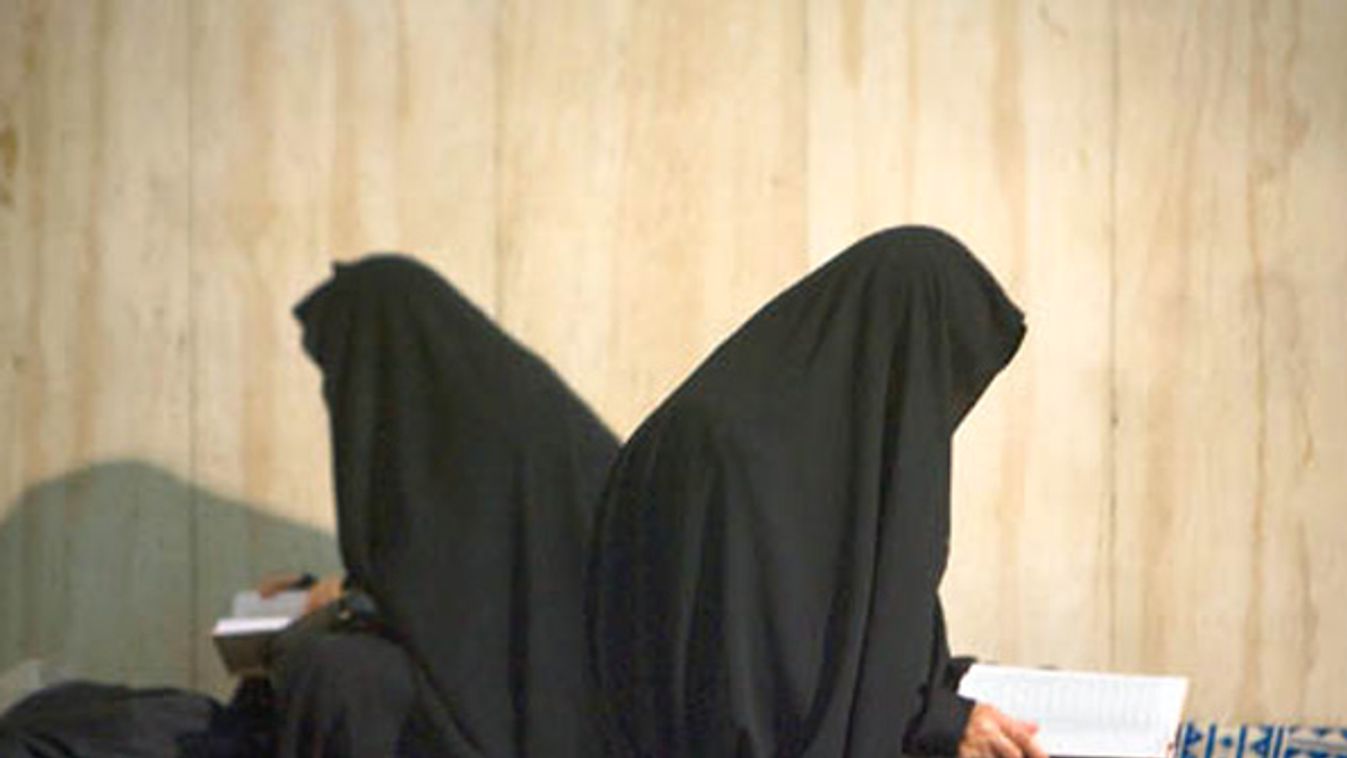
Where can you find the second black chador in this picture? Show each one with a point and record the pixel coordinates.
(773, 536)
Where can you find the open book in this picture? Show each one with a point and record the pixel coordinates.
(244, 635)
(1086, 714)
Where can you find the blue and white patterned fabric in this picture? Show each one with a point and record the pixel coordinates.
(1212, 740)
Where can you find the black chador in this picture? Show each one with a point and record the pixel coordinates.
(772, 537)
(467, 475)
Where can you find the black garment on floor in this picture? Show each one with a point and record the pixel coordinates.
(93, 720)
(467, 475)
(773, 536)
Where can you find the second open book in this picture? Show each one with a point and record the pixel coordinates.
(1091, 715)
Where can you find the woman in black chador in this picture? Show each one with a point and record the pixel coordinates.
(466, 478)
(772, 537)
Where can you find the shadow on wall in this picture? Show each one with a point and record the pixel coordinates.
(116, 572)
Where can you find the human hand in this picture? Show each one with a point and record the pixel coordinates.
(321, 592)
(992, 734)
(327, 590)
(279, 582)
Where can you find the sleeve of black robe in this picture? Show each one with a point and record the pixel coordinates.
(940, 726)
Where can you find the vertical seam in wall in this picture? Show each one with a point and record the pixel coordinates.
(1112, 525)
(1249, 690)
(806, 129)
(497, 127)
(192, 504)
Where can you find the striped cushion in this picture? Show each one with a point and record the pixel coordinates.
(1213, 740)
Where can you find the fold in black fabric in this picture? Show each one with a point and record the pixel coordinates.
(773, 536)
(467, 475)
(344, 695)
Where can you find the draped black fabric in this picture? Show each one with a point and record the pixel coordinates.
(467, 475)
(344, 695)
(95, 720)
(772, 537)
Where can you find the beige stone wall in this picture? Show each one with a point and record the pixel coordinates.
(1159, 483)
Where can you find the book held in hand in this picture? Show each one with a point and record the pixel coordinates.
(243, 637)
(1085, 714)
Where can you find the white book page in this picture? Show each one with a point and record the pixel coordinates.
(249, 603)
(256, 625)
(1086, 714)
